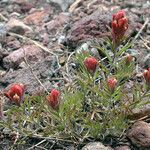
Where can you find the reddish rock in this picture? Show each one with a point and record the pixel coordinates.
(57, 22)
(14, 59)
(42, 70)
(36, 18)
(13, 45)
(122, 148)
(139, 134)
(26, 6)
(17, 26)
(94, 25)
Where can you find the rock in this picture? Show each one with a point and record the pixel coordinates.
(58, 22)
(2, 73)
(89, 27)
(87, 48)
(26, 6)
(37, 18)
(61, 39)
(140, 111)
(17, 26)
(64, 4)
(96, 25)
(33, 54)
(2, 54)
(3, 32)
(95, 146)
(139, 134)
(133, 52)
(84, 48)
(13, 45)
(18, 1)
(147, 61)
(122, 148)
(43, 70)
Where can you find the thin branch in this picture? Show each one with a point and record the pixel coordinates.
(36, 145)
(31, 70)
(140, 31)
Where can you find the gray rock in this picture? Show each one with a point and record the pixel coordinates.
(64, 4)
(133, 52)
(147, 61)
(61, 39)
(3, 32)
(84, 47)
(95, 146)
(87, 48)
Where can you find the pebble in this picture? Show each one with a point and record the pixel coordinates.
(95, 146)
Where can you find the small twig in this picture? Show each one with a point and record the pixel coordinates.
(67, 63)
(25, 60)
(3, 18)
(140, 31)
(145, 43)
(53, 138)
(143, 118)
(74, 5)
(37, 144)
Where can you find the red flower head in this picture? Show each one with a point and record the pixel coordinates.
(128, 59)
(119, 25)
(90, 64)
(146, 75)
(112, 82)
(53, 98)
(15, 93)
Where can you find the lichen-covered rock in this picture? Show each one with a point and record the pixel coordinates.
(139, 134)
(3, 32)
(95, 146)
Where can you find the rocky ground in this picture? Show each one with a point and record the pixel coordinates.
(39, 36)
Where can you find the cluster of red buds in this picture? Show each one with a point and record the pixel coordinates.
(128, 59)
(119, 26)
(111, 83)
(15, 93)
(90, 64)
(53, 99)
(146, 75)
